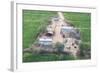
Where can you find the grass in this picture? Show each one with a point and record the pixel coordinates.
(80, 20)
(85, 35)
(29, 57)
(33, 23)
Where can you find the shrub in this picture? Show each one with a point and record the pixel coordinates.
(59, 47)
(85, 51)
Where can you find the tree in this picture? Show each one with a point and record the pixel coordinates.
(59, 47)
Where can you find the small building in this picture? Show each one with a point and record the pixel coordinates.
(45, 41)
(65, 29)
(75, 35)
(68, 31)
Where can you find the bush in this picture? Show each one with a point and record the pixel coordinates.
(85, 51)
(59, 47)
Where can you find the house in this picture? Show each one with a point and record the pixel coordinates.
(44, 40)
(68, 31)
(65, 29)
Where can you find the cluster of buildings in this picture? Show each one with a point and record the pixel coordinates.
(71, 37)
(47, 38)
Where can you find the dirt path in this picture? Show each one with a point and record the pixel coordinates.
(61, 15)
(57, 37)
(57, 28)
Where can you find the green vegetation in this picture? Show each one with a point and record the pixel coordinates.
(79, 20)
(33, 23)
(85, 52)
(85, 35)
(29, 57)
(83, 22)
(59, 47)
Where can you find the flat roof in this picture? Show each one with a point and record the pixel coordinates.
(45, 39)
(66, 27)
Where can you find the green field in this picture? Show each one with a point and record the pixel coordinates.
(79, 20)
(35, 22)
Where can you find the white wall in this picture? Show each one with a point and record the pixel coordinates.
(5, 36)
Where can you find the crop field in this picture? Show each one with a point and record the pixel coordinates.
(35, 22)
